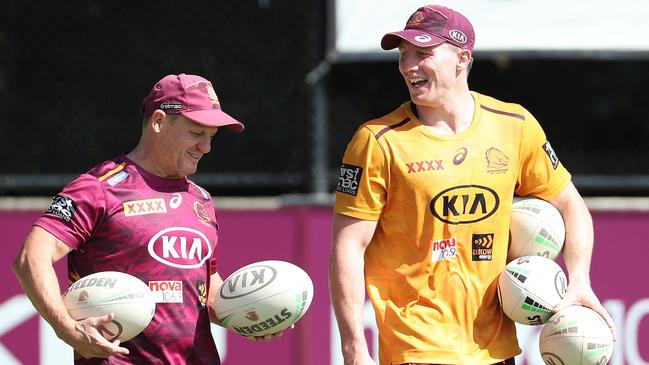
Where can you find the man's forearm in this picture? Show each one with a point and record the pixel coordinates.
(347, 287)
(35, 272)
(578, 247)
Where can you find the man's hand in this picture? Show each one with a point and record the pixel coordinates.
(582, 294)
(85, 338)
(577, 251)
(269, 337)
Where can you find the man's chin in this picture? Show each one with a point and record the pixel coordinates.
(189, 170)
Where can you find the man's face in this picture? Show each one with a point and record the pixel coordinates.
(182, 143)
(430, 73)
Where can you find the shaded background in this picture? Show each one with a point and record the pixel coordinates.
(73, 75)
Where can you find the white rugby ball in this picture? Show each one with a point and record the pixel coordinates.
(576, 335)
(536, 228)
(103, 292)
(529, 288)
(263, 298)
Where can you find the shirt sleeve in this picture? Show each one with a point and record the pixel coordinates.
(541, 174)
(363, 179)
(213, 262)
(75, 212)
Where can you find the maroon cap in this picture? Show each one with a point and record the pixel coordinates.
(431, 25)
(191, 96)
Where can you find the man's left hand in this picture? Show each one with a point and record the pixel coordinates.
(582, 294)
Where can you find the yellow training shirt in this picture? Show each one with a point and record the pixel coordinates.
(443, 205)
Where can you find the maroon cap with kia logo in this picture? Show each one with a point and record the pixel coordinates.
(191, 96)
(431, 25)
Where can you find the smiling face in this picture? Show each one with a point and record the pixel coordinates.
(432, 74)
(181, 143)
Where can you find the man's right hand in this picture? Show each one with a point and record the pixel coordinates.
(35, 272)
(87, 341)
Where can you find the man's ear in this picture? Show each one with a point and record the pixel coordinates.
(156, 120)
(464, 59)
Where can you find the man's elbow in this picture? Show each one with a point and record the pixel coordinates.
(26, 259)
(18, 266)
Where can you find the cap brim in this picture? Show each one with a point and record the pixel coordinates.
(417, 37)
(214, 118)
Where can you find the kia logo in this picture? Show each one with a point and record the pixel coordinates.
(180, 247)
(464, 204)
(247, 280)
(457, 35)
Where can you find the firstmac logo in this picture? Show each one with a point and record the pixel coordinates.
(180, 247)
(350, 177)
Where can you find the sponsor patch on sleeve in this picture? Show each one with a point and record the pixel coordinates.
(550, 152)
(350, 176)
(63, 207)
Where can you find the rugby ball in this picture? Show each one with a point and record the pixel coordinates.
(576, 335)
(529, 287)
(536, 228)
(263, 298)
(110, 291)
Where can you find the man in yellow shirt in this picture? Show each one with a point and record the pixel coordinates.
(423, 206)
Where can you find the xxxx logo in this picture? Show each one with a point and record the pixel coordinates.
(146, 206)
(420, 166)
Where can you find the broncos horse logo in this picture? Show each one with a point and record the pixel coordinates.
(496, 159)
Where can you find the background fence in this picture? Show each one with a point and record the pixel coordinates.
(72, 77)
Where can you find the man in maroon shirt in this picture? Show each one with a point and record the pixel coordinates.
(139, 214)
